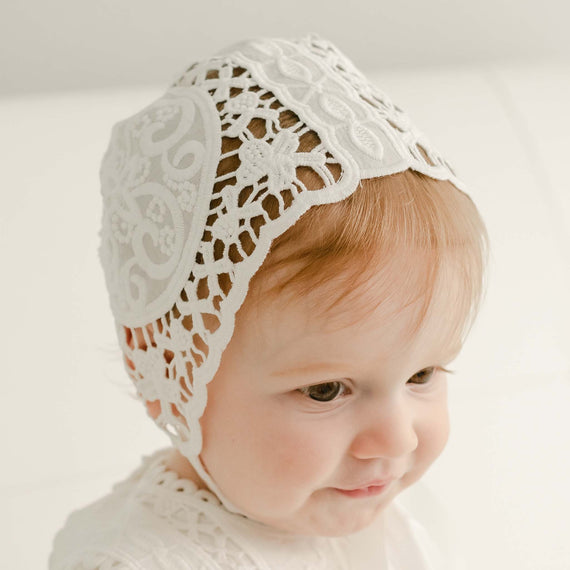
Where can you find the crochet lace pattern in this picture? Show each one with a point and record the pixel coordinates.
(182, 237)
(111, 535)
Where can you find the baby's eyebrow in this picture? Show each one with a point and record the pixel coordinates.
(341, 367)
(314, 367)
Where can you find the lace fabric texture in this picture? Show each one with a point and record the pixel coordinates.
(154, 520)
(189, 185)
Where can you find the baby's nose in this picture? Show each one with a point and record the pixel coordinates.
(386, 431)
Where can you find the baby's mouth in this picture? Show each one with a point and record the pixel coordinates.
(369, 489)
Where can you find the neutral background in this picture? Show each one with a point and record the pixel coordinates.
(75, 44)
(488, 81)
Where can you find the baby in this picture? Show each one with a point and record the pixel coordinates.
(291, 267)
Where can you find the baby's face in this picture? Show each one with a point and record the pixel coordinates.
(304, 423)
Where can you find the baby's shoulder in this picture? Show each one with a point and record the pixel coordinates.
(114, 535)
(150, 520)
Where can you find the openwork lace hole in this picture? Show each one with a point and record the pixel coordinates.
(308, 141)
(244, 195)
(211, 322)
(395, 126)
(287, 196)
(225, 283)
(258, 128)
(168, 355)
(237, 71)
(247, 243)
(203, 291)
(424, 153)
(199, 344)
(271, 206)
(219, 248)
(234, 254)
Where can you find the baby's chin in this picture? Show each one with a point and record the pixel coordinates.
(340, 527)
(330, 522)
(350, 523)
(345, 528)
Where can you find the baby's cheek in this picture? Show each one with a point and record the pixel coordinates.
(435, 435)
(302, 454)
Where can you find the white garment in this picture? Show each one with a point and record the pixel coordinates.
(155, 520)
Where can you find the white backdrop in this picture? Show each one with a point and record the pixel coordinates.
(68, 428)
(74, 44)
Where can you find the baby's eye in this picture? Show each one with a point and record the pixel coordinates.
(423, 376)
(325, 392)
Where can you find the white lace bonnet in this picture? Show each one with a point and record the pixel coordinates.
(165, 202)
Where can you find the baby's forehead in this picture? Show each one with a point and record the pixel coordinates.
(308, 317)
(297, 343)
(393, 315)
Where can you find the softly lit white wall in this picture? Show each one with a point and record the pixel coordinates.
(73, 44)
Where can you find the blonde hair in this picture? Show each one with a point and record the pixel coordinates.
(407, 224)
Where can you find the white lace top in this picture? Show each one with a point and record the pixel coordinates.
(155, 520)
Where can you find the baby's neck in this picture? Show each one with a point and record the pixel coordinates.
(177, 463)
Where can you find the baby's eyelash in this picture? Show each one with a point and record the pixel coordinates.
(432, 370)
(325, 392)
